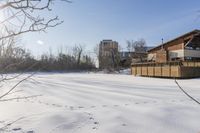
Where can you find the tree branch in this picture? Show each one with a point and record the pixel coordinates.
(26, 16)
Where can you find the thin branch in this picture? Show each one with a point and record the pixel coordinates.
(5, 94)
(17, 98)
(23, 10)
(9, 124)
(195, 100)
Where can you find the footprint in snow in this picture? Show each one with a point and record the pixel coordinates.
(56, 105)
(96, 123)
(95, 127)
(89, 115)
(30, 132)
(123, 124)
(71, 108)
(104, 105)
(16, 129)
(91, 118)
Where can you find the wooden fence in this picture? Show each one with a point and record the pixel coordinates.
(176, 69)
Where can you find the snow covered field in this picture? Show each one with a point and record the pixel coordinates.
(101, 103)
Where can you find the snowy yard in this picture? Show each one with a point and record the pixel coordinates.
(101, 103)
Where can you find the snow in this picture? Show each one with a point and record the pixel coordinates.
(100, 103)
(125, 71)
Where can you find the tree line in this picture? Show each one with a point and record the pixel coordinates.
(14, 58)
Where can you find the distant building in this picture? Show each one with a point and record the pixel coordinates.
(126, 57)
(182, 48)
(108, 54)
(133, 54)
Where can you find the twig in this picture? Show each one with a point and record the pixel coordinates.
(15, 92)
(25, 97)
(22, 11)
(9, 124)
(186, 93)
(16, 86)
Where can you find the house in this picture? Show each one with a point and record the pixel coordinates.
(183, 48)
(108, 52)
(177, 58)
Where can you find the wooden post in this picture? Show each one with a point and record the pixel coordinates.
(169, 69)
(147, 70)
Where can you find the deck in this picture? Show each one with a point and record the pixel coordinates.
(174, 69)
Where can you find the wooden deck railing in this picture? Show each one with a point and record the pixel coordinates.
(173, 69)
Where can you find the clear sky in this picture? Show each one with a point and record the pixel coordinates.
(87, 22)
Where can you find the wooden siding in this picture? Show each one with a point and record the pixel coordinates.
(169, 70)
(176, 45)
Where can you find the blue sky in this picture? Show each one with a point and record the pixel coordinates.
(87, 22)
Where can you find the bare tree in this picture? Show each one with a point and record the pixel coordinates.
(137, 50)
(96, 50)
(140, 49)
(139, 46)
(20, 17)
(129, 46)
(77, 51)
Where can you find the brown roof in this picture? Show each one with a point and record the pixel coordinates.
(184, 35)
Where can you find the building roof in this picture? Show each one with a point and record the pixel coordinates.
(107, 40)
(182, 36)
